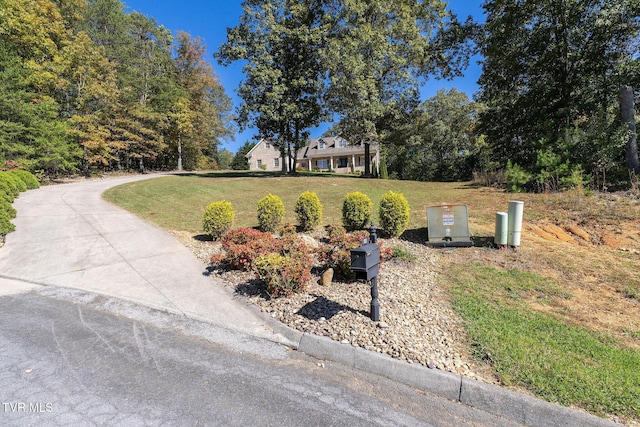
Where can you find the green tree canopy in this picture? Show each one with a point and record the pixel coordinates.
(550, 79)
(282, 93)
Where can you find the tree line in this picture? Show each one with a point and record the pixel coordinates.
(88, 87)
(556, 100)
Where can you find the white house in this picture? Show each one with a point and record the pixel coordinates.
(322, 154)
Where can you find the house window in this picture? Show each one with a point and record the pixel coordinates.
(322, 164)
(342, 143)
(321, 145)
(267, 145)
(276, 163)
(259, 164)
(361, 161)
(343, 162)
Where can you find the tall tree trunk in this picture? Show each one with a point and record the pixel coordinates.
(627, 112)
(179, 152)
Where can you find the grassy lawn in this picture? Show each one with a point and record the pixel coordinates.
(559, 318)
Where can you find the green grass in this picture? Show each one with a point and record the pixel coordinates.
(178, 202)
(556, 361)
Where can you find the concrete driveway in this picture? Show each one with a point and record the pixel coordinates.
(67, 235)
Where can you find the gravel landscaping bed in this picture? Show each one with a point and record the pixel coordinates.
(416, 324)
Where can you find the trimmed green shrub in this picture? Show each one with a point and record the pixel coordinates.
(356, 211)
(6, 226)
(218, 218)
(27, 177)
(270, 213)
(19, 183)
(8, 184)
(6, 207)
(5, 193)
(309, 211)
(394, 214)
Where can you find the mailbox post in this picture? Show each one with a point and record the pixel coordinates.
(365, 262)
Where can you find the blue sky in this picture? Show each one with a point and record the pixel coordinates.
(209, 19)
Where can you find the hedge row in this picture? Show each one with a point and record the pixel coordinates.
(12, 183)
(356, 214)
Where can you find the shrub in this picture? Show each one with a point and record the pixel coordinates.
(218, 218)
(356, 211)
(309, 211)
(284, 274)
(270, 213)
(19, 183)
(5, 193)
(394, 214)
(516, 177)
(8, 184)
(6, 207)
(28, 178)
(6, 226)
(337, 252)
(244, 245)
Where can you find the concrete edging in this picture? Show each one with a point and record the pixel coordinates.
(520, 408)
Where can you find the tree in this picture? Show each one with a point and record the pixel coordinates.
(207, 102)
(240, 160)
(441, 140)
(627, 114)
(224, 158)
(379, 52)
(550, 79)
(282, 93)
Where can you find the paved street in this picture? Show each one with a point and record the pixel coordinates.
(66, 361)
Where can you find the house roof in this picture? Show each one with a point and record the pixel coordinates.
(331, 148)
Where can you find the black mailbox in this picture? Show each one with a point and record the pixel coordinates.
(365, 260)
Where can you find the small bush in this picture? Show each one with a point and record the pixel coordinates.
(309, 211)
(19, 183)
(394, 214)
(337, 252)
(270, 213)
(8, 184)
(403, 254)
(356, 211)
(6, 226)
(218, 218)
(284, 274)
(28, 178)
(6, 207)
(5, 195)
(516, 178)
(244, 245)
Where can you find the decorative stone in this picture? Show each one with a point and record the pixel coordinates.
(327, 277)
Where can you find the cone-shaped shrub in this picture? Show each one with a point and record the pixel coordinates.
(309, 211)
(356, 211)
(270, 213)
(394, 214)
(218, 218)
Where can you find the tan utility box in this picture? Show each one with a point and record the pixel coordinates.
(448, 225)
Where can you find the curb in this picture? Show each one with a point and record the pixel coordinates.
(520, 408)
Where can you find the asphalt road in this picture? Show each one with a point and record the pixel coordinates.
(70, 357)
